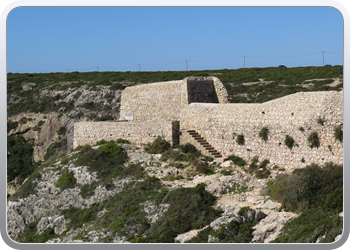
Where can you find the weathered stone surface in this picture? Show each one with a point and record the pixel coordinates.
(219, 124)
(270, 227)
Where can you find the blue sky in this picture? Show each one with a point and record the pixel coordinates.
(57, 39)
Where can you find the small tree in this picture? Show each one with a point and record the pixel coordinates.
(338, 133)
(289, 141)
(240, 139)
(264, 133)
(313, 140)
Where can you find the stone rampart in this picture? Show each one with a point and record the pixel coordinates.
(220, 124)
(163, 101)
(134, 131)
(152, 102)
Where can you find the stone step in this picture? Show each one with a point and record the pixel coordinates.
(189, 131)
(201, 140)
(212, 151)
(217, 156)
(198, 137)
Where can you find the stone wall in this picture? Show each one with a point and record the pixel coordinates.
(152, 102)
(163, 101)
(134, 131)
(220, 124)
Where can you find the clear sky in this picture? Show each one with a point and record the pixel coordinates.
(61, 39)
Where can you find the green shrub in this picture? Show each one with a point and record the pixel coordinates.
(240, 139)
(301, 129)
(226, 172)
(47, 234)
(338, 133)
(88, 190)
(61, 131)
(202, 168)
(320, 121)
(242, 211)
(11, 125)
(77, 217)
(313, 140)
(190, 208)
(187, 148)
(289, 141)
(158, 146)
(303, 160)
(23, 120)
(237, 160)
(310, 225)
(262, 172)
(253, 165)
(28, 187)
(120, 140)
(67, 180)
(40, 123)
(107, 161)
(334, 200)
(307, 187)
(19, 158)
(263, 134)
(55, 148)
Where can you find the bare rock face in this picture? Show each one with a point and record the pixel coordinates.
(270, 227)
(40, 127)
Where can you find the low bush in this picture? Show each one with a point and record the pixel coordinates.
(263, 134)
(61, 130)
(253, 165)
(120, 140)
(190, 208)
(226, 172)
(47, 234)
(289, 141)
(55, 148)
(19, 158)
(334, 200)
(310, 225)
(313, 140)
(242, 211)
(186, 152)
(262, 172)
(107, 161)
(40, 123)
(338, 133)
(301, 129)
(77, 217)
(236, 160)
(11, 125)
(320, 121)
(240, 139)
(306, 187)
(201, 167)
(28, 187)
(67, 180)
(158, 146)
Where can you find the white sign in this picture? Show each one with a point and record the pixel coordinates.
(129, 117)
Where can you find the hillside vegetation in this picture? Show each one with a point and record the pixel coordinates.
(48, 92)
(117, 192)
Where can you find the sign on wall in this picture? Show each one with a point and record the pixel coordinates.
(129, 117)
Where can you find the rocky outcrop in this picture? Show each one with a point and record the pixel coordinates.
(40, 127)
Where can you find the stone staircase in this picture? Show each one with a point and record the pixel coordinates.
(210, 149)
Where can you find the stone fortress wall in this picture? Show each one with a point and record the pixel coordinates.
(220, 124)
(155, 108)
(134, 131)
(202, 104)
